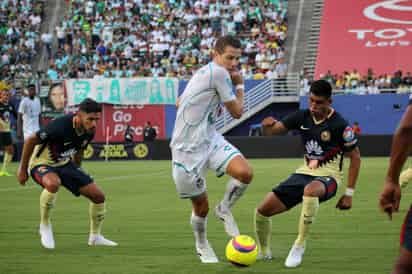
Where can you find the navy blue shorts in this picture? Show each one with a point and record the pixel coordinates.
(290, 191)
(5, 139)
(71, 176)
(406, 232)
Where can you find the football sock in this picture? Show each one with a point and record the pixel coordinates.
(405, 177)
(199, 228)
(6, 160)
(263, 230)
(47, 201)
(97, 213)
(234, 191)
(310, 207)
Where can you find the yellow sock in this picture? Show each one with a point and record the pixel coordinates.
(97, 213)
(310, 207)
(263, 230)
(47, 201)
(6, 160)
(405, 177)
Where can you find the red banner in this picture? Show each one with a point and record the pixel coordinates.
(116, 118)
(365, 34)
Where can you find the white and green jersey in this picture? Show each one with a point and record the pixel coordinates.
(199, 107)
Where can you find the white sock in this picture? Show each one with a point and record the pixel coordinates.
(234, 191)
(199, 229)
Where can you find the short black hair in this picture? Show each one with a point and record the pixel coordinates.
(321, 88)
(90, 106)
(227, 40)
(31, 86)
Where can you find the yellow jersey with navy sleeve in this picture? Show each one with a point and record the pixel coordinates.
(324, 142)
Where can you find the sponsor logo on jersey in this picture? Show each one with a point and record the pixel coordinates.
(67, 154)
(313, 147)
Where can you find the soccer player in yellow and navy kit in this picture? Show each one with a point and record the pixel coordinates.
(391, 194)
(55, 154)
(6, 110)
(327, 138)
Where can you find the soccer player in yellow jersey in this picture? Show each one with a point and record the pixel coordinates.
(55, 155)
(6, 110)
(327, 138)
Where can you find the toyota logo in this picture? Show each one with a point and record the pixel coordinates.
(370, 11)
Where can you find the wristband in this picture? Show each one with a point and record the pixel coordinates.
(240, 86)
(349, 192)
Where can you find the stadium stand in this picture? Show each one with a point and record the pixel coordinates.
(165, 38)
(20, 22)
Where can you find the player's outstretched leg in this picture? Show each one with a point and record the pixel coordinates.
(310, 207)
(47, 202)
(263, 230)
(405, 177)
(242, 175)
(271, 205)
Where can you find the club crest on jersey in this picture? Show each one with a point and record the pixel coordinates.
(348, 134)
(325, 136)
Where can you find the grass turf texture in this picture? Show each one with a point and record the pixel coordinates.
(151, 225)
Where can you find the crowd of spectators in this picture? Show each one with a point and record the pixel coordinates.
(20, 22)
(135, 38)
(354, 83)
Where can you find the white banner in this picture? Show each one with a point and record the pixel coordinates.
(123, 91)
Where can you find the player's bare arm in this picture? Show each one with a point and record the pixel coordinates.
(345, 202)
(20, 126)
(235, 107)
(28, 148)
(271, 126)
(401, 147)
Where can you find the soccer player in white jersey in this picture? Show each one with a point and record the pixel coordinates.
(28, 121)
(197, 146)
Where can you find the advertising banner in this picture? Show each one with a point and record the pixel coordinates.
(365, 34)
(116, 119)
(123, 91)
(118, 151)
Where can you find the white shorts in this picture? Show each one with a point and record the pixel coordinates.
(190, 168)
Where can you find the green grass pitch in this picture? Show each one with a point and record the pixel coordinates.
(151, 225)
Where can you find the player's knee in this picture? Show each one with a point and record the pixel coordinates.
(10, 149)
(314, 190)
(51, 184)
(98, 198)
(264, 211)
(246, 175)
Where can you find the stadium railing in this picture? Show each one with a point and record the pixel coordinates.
(268, 92)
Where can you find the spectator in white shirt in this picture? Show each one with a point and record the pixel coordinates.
(28, 120)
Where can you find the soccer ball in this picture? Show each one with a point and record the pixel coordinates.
(242, 250)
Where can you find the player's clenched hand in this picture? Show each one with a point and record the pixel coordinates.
(269, 121)
(344, 203)
(22, 176)
(390, 198)
(237, 78)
